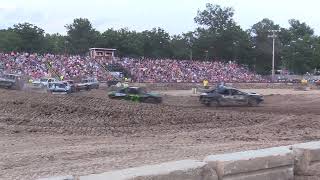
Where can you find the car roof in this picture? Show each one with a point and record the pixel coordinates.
(229, 88)
(60, 82)
(130, 87)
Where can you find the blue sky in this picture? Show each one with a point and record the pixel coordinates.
(175, 16)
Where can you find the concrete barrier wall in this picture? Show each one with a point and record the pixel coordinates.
(265, 164)
(307, 161)
(178, 170)
(59, 178)
(298, 162)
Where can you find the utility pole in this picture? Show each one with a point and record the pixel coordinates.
(273, 36)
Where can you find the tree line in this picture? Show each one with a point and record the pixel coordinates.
(217, 37)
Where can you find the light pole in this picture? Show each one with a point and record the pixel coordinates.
(206, 51)
(139, 69)
(65, 47)
(235, 46)
(190, 46)
(273, 36)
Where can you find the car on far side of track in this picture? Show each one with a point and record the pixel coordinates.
(59, 87)
(11, 81)
(226, 96)
(71, 84)
(87, 84)
(43, 82)
(136, 94)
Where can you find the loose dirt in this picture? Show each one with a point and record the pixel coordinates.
(45, 135)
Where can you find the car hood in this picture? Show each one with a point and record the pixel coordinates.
(253, 94)
(7, 80)
(148, 94)
(154, 94)
(111, 92)
(36, 82)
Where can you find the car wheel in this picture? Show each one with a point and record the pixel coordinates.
(150, 100)
(253, 102)
(214, 103)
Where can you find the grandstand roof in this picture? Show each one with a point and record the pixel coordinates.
(104, 49)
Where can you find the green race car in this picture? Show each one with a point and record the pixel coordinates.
(136, 94)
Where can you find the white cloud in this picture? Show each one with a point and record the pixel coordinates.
(6, 6)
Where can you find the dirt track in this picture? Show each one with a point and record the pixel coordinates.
(44, 135)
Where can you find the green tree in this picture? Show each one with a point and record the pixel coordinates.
(81, 36)
(180, 47)
(56, 44)
(262, 44)
(127, 43)
(131, 43)
(156, 43)
(216, 17)
(300, 51)
(31, 37)
(9, 41)
(219, 37)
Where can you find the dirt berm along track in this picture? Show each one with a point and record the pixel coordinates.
(45, 135)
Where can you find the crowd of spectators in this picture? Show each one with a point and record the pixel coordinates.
(37, 66)
(168, 70)
(143, 70)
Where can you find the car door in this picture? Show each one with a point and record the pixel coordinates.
(60, 87)
(133, 94)
(239, 98)
(226, 98)
(122, 94)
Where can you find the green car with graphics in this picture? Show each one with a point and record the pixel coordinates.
(136, 94)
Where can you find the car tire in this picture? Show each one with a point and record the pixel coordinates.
(253, 102)
(213, 103)
(150, 100)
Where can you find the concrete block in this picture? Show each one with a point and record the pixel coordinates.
(307, 159)
(306, 178)
(178, 170)
(265, 164)
(59, 178)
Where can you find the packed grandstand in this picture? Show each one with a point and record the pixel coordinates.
(142, 70)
